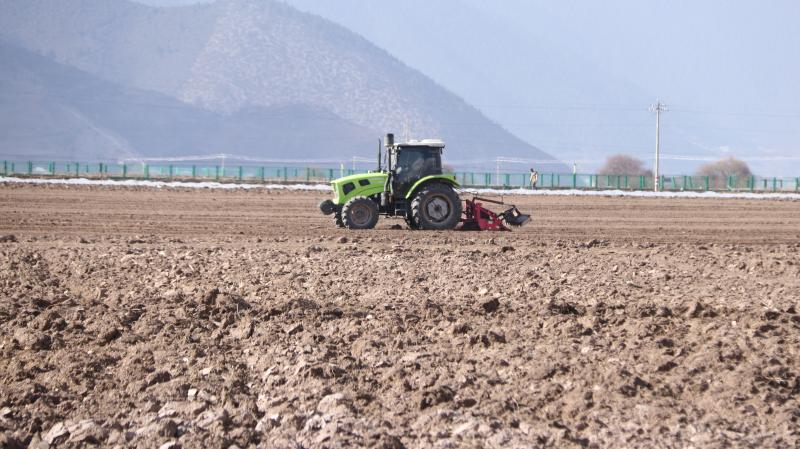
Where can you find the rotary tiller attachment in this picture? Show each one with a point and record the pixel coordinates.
(514, 217)
(478, 218)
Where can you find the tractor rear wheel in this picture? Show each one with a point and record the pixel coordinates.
(337, 218)
(436, 207)
(410, 222)
(360, 213)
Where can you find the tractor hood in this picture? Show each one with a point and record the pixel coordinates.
(362, 184)
(360, 176)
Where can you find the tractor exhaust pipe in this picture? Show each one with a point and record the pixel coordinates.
(379, 156)
(388, 142)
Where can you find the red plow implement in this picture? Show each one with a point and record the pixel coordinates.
(478, 218)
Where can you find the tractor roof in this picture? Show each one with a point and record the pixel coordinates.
(433, 143)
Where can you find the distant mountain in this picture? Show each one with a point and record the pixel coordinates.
(237, 59)
(53, 111)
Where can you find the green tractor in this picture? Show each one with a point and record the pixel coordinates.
(412, 186)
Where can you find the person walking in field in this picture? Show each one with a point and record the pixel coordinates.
(534, 178)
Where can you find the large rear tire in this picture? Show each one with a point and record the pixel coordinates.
(410, 222)
(436, 207)
(360, 213)
(337, 218)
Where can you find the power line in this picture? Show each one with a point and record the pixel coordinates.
(716, 158)
(223, 157)
(739, 113)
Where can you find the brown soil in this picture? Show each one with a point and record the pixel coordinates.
(145, 317)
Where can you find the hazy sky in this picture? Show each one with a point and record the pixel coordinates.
(728, 69)
(714, 54)
(742, 55)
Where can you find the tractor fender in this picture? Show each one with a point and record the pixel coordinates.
(445, 179)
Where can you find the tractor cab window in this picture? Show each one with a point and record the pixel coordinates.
(413, 163)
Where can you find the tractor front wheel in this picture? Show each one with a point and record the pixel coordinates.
(436, 207)
(360, 213)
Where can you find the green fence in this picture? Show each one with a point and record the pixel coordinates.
(583, 181)
(292, 174)
(237, 173)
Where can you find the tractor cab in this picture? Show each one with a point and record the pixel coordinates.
(409, 162)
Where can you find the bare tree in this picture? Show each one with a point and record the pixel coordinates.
(623, 164)
(720, 172)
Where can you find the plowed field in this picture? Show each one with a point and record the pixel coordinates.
(207, 318)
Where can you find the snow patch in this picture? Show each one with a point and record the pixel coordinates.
(640, 194)
(164, 184)
(326, 187)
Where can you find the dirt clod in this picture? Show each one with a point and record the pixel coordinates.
(491, 305)
(294, 328)
(391, 442)
(563, 308)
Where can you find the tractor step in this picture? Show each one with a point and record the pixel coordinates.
(400, 208)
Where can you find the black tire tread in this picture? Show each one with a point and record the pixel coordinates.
(345, 214)
(410, 222)
(337, 218)
(416, 205)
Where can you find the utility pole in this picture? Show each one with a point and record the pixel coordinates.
(658, 108)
